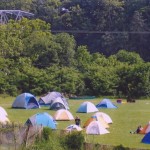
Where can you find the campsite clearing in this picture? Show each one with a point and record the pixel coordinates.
(125, 118)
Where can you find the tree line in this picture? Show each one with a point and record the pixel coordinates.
(35, 60)
(105, 26)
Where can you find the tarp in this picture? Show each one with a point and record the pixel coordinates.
(42, 119)
(87, 107)
(26, 101)
(63, 114)
(106, 103)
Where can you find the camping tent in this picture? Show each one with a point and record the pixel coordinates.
(87, 107)
(26, 101)
(3, 116)
(73, 127)
(105, 116)
(58, 103)
(96, 128)
(106, 103)
(63, 114)
(3, 111)
(146, 138)
(47, 99)
(96, 118)
(146, 129)
(41, 119)
(4, 119)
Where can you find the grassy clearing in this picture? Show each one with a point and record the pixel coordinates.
(127, 117)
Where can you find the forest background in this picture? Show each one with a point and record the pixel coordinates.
(82, 47)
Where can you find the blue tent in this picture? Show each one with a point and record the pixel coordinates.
(42, 119)
(87, 107)
(106, 103)
(146, 138)
(26, 101)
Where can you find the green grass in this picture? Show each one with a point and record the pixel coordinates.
(127, 117)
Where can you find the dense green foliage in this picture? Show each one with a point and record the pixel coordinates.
(74, 140)
(49, 140)
(53, 140)
(119, 24)
(37, 61)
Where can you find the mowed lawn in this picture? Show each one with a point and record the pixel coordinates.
(125, 118)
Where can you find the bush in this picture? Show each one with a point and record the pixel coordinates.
(46, 133)
(74, 141)
(50, 141)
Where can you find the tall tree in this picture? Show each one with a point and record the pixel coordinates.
(138, 38)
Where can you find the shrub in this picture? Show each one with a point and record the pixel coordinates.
(50, 141)
(46, 133)
(74, 140)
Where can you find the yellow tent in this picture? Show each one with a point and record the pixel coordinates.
(96, 118)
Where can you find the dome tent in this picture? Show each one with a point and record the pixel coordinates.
(106, 103)
(96, 128)
(87, 107)
(26, 101)
(63, 114)
(3, 111)
(58, 103)
(48, 98)
(96, 118)
(4, 119)
(146, 138)
(145, 129)
(3, 116)
(105, 116)
(73, 127)
(43, 119)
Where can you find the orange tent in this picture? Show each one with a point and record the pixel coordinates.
(95, 118)
(146, 129)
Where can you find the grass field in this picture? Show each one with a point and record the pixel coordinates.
(127, 117)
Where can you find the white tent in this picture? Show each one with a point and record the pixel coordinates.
(49, 97)
(59, 103)
(105, 116)
(4, 119)
(63, 114)
(73, 127)
(3, 111)
(96, 128)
